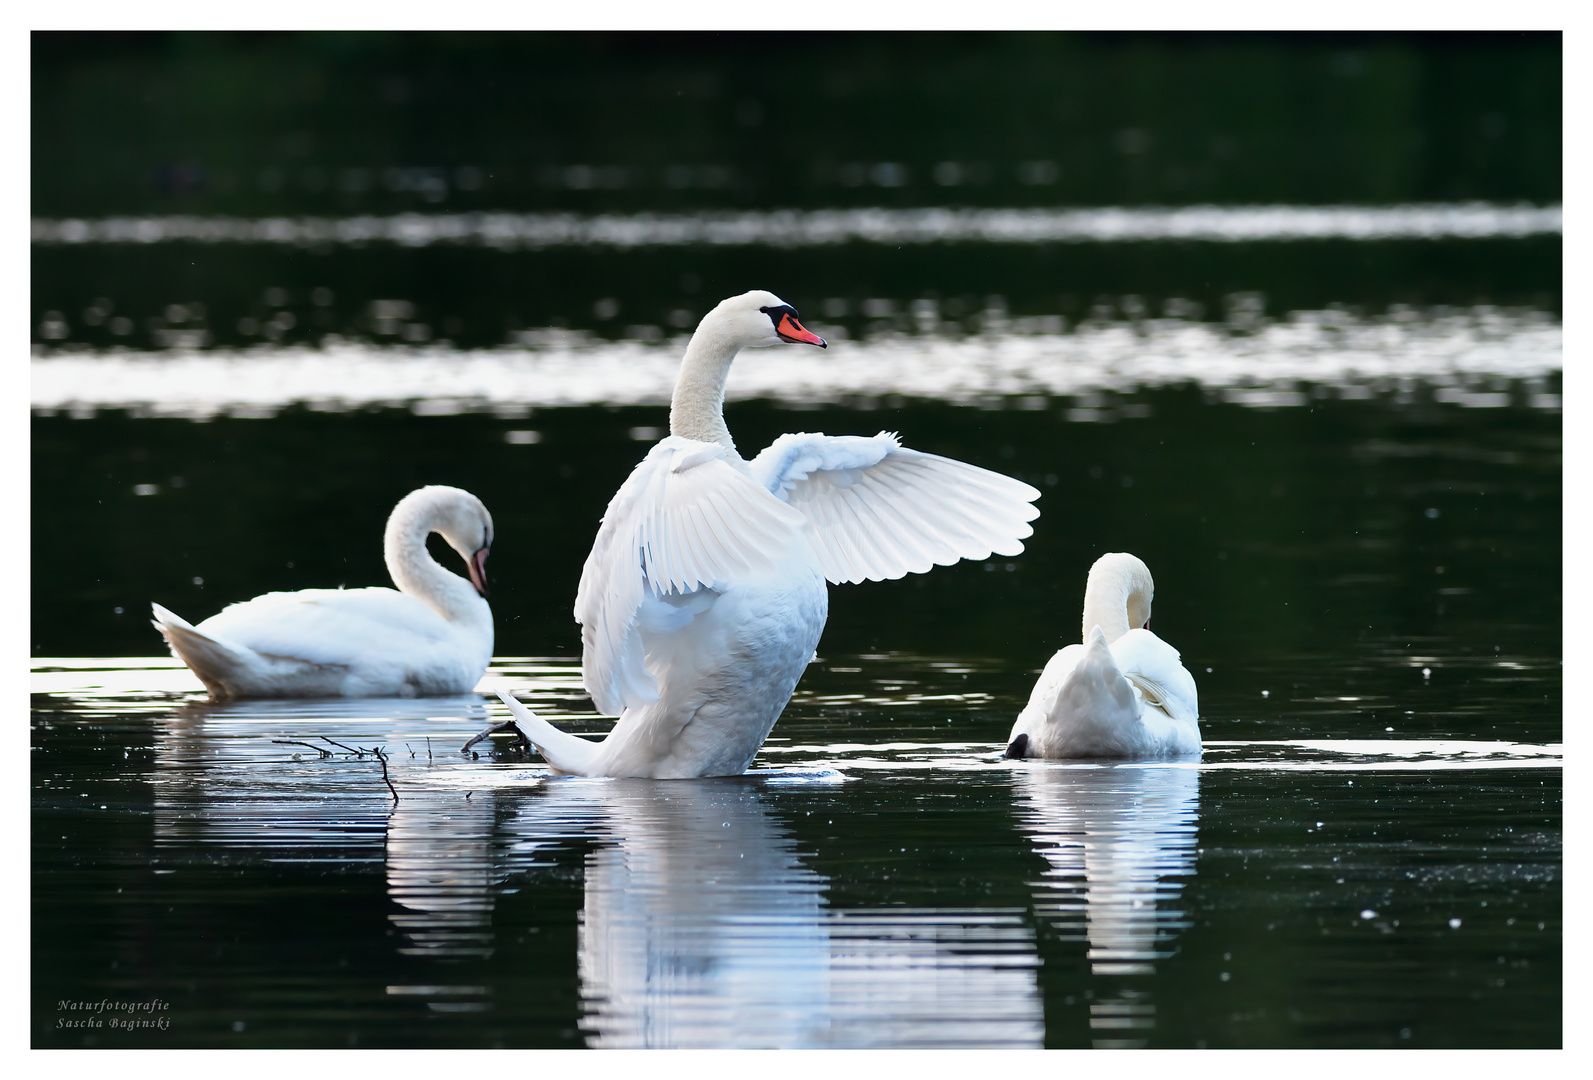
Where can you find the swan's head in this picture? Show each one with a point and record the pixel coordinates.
(756, 319)
(459, 517)
(1117, 596)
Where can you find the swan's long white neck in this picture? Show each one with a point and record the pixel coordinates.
(417, 574)
(697, 411)
(1117, 597)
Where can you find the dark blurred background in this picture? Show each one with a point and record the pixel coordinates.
(339, 123)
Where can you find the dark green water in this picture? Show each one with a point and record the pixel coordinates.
(1338, 452)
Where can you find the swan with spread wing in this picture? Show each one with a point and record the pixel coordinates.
(706, 590)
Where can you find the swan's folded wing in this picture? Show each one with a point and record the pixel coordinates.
(1158, 673)
(685, 518)
(878, 510)
(328, 627)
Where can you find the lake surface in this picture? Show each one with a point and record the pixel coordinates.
(1365, 581)
(1280, 314)
(881, 878)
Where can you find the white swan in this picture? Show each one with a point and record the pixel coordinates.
(704, 595)
(1123, 694)
(433, 636)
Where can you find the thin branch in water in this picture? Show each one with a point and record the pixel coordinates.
(428, 748)
(340, 746)
(521, 742)
(294, 742)
(385, 779)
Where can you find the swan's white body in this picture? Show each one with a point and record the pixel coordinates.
(433, 636)
(705, 593)
(1124, 693)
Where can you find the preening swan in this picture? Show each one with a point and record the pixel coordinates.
(433, 636)
(704, 595)
(1122, 694)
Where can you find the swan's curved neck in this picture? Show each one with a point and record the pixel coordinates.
(697, 411)
(1107, 597)
(417, 574)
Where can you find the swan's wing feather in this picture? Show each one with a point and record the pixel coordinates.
(1158, 673)
(329, 627)
(878, 510)
(685, 518)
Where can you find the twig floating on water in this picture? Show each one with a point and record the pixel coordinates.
(294, 742)
(340, 746)
(521, 742)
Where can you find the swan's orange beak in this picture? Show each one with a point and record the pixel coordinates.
(478, 570)
(791, 330)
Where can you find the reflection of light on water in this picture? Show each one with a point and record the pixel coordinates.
(1385, 755)
(795, 228)
(1459, 357)
(440, 873)
(1120, 841)
(702, 927)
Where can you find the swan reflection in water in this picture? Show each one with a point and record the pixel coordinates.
(1120, 844)
(703, 924)
(703, 927)
(233, 784)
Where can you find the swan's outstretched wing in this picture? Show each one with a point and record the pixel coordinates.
(878, 510)
(685, 518)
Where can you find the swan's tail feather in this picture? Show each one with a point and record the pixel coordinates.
(565, 752)
(213, 661)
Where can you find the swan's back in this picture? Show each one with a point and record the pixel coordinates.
(1131, 699)
(329, 625)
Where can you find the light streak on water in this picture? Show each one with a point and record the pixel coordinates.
(1468, 357)
(811, 228)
